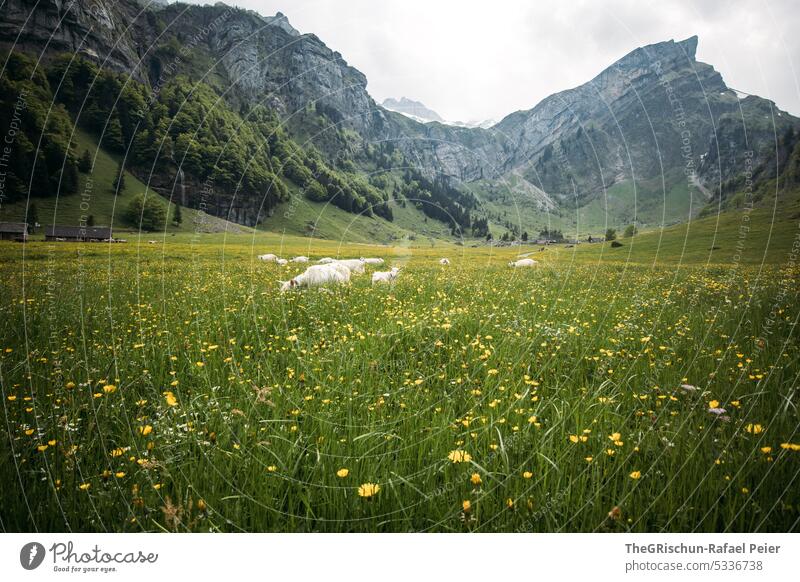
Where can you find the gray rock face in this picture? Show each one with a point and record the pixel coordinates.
(265, 61)
(97, 29)
(653, 113)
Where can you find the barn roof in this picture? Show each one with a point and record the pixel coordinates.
(14, 227)
(102, 232)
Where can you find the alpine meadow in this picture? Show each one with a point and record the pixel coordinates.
(238, 294)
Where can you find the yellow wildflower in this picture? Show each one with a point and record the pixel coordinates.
(368, 489)
(459, 456)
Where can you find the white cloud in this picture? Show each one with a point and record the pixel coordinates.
(471, 59)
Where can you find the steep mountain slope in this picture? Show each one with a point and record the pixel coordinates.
(656, 118)
(249, 59)
(249, 71)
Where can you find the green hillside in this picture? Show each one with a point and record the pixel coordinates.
(96, 189)
(763, 235)
(299, 216)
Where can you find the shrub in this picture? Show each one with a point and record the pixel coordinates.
(630, 231)
(146, 213)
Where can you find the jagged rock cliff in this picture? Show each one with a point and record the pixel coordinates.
(655, 112)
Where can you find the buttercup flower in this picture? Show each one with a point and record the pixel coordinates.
(368, 489)
(459, 456)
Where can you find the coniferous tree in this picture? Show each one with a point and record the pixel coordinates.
(33, 215)
(177, 217)
(119, 180)
(85, 162)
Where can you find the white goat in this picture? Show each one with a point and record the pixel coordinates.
(281, 262)
(269, 257)
(444, 261)
(300, 259)
(372, 261)
(355, 265)
(523, 263)
(326, 260)
(317, 276)
(343, 269)
(385, 276)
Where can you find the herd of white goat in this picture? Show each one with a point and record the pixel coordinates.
(338, 271)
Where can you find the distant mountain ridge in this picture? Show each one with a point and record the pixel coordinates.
(419, 112)
(414, 109)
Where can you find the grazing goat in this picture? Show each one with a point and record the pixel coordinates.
(300, 259)
(385, 276)
(355, 265)
(268, 257)
(523, 263)
(444, 261)
(282, 262)
(372, 261)
(343, 269)
(317, 276)
(326, 260)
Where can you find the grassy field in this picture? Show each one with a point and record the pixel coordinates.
(171, 387)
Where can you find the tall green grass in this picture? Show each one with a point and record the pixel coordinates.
(171, 387)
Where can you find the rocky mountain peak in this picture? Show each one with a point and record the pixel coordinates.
(661, 55)
(411, 108)
(282, 21)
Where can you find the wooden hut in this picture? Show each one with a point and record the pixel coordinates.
(78, 233)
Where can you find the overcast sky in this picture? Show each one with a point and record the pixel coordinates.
(474, 60)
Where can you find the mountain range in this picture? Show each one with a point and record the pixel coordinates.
(657, 137)
(419, 112)
(411, 108)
